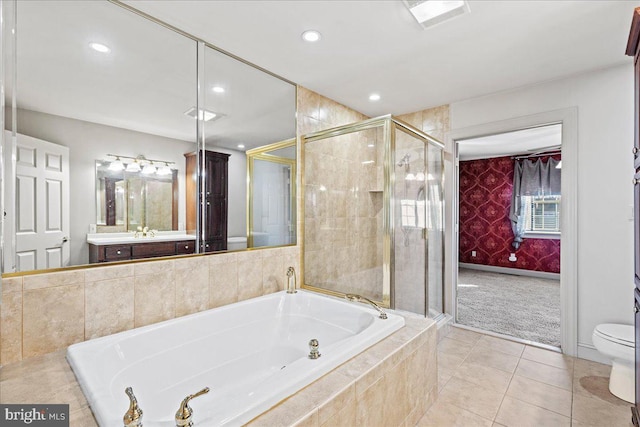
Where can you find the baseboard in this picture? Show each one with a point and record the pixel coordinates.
(589, 352)
(507, 270)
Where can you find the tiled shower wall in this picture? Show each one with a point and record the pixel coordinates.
(343, 213)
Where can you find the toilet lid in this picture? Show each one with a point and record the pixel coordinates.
(624, 334)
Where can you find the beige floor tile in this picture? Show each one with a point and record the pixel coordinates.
(486, 357)
(584, 367)
(454, 347)
(484, 376)
(546, 374)
(516, 413)
(539, 394)
(444, 375)
(597, 387)
(444, 414)
(479, 400)
(504, 346)
(596, 412)
(548, 357)
(464, 335)
(448, 361)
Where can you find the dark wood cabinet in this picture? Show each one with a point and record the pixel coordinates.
(633, 49)
(123, 252)
(214, 199)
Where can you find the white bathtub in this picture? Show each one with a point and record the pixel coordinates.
(252, 355)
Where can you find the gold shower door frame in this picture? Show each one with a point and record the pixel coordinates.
(389, 125)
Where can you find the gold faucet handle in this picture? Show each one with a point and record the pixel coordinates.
(184, 413)
(133, 417)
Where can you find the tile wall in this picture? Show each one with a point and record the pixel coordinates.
(48, 312)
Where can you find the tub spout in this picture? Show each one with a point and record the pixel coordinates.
(360, 298)
(185, 413)
(291, 281)
(133, 417)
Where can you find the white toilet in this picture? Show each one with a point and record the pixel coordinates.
(618, 343)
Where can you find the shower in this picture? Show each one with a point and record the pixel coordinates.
(372, 225)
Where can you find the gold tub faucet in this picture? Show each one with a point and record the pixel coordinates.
(133, 417)
(185, 413)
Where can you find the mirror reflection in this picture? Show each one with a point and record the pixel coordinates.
(128, 198)
(95, 79)
(272, 194)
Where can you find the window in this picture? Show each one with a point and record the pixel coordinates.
(542, 215)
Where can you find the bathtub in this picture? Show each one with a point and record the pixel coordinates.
(251, 354)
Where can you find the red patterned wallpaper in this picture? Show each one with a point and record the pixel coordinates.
(485, 197)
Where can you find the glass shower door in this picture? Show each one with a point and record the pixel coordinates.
(418, 225)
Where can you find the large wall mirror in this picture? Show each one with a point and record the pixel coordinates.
(111, 110)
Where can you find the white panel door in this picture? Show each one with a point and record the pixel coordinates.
(41, 210)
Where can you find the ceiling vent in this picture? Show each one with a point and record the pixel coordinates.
(432, 12)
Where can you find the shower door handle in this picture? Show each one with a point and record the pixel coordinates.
(425, 234)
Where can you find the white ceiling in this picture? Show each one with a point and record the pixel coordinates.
(377, 46)
(526, 141)
(147, 81)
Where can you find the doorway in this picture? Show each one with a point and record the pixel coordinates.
(567, 120)
(509, 235)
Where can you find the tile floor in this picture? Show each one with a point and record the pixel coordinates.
(487, 381)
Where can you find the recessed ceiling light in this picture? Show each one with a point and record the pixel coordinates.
(311, 36)
(240, 145)
(99, 47)
(218, 89)
(374, 97)
(431, 12)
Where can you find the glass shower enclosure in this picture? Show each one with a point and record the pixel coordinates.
(374, 214)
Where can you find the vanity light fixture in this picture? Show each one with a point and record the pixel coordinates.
(164, 170)
(149, 168)
(116, 165)
(218, 89)
(311, 36)
(141, 163)
(431, 12)
(368, 162)
(374, 97)
(133, 167)
(420, 176)
(99, 47)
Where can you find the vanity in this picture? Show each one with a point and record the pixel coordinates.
(107, 247)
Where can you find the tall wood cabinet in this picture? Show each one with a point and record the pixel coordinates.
(633, 49)
(214, 199)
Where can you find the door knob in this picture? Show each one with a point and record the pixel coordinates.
(65, 239)
(635, 150)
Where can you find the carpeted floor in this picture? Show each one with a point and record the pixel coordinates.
(519, 306)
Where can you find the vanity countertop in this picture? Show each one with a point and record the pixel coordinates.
(127, 238)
